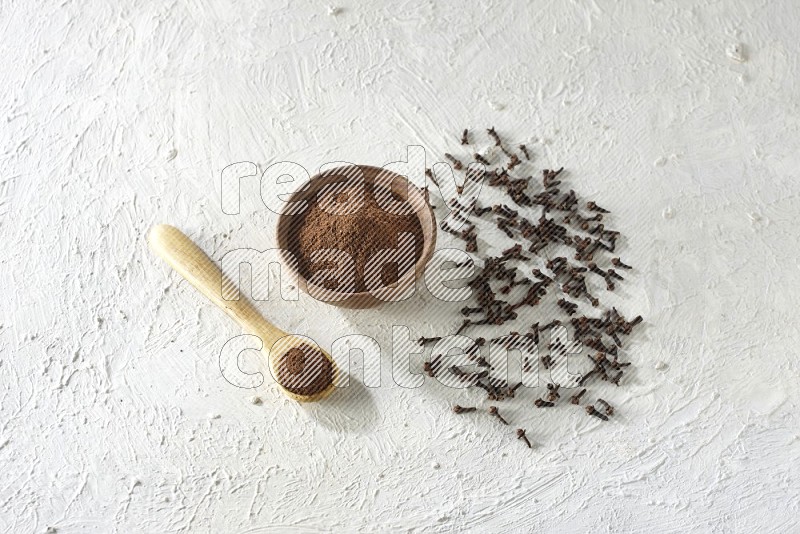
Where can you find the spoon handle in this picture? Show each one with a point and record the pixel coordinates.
(188, 260)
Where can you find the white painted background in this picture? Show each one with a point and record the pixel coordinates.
(119, 115)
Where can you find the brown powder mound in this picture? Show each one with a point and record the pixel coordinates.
(360, 234)
(304, 371)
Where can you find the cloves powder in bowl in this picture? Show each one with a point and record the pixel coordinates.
(363, 237)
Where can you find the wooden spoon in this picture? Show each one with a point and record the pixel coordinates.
(188, 260)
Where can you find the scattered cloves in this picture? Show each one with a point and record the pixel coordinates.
(589, 237)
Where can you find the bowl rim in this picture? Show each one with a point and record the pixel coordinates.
(339, 298)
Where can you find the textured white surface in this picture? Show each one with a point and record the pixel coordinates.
(682, 117)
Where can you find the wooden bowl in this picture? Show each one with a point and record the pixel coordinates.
(399, 186)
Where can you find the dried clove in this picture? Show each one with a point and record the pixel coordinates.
(493, 134)
(596, 270)
(504, 224)
(480, 211)
(464, 325)
(592, 411)
(616, 378)
(609, 408)
(592, 206)
(429, 174)
(460, 373)
(568, 307)
(618, 263)
(576, 399)
(431, 368)
(505, 211)
(493, 412)
(511, 391)
(463, 409)
(481, 159)
(582, 380)
(521, 435)
(548, 177)
(614, 364)
(457, 165)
